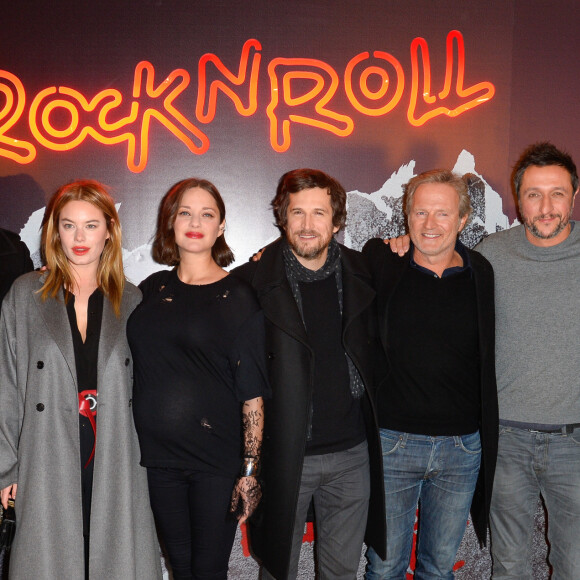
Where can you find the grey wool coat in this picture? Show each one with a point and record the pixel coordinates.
(39, 445)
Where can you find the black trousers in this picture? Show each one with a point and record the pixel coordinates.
(191, 509)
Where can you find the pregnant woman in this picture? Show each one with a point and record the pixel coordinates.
(198, 344)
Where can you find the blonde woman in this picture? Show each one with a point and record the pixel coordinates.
(68, 448)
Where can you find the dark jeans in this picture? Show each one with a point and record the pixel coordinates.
(191, 509)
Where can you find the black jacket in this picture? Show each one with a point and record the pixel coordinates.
(291, 367)
(387, 270)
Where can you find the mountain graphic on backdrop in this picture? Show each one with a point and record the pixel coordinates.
(380, 214)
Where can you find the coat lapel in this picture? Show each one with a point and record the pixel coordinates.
(390, 270)
(110, 328)
(53, 311)
(485, 312)
(55, 317)
(280, 308)
(356, 286)
(275, 295)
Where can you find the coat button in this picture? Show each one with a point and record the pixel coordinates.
(39, 365)
(40, 407)
(127, 361)
(271, 355)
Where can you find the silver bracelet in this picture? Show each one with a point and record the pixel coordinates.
(250, 467)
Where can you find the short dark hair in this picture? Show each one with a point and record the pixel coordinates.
(543, 154)
(299, 179)
(165, 250)
(439, 176)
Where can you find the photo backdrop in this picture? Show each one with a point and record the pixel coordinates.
(140, 95)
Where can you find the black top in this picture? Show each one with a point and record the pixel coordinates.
(198, 353)
(337, 420)
(434, 351)
(86, 360)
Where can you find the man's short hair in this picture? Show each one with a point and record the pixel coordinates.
(439, 176)
(299, 179)
(543, 154)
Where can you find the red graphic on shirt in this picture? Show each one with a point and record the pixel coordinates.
(88, 409)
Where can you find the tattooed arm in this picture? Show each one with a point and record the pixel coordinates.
(253, 423)
(247, 492)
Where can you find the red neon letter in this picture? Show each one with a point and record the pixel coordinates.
(323, 77)
(471, 97)
(236, 80)
(108, 132)
(13, 90)
(383, 88)
(179, 125)
(75, 104)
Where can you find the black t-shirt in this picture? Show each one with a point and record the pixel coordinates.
(198, 353)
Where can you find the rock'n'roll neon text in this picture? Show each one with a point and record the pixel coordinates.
(302, 91)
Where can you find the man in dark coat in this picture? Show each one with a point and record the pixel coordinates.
(14, 260)
(321, 437)
(437, 410)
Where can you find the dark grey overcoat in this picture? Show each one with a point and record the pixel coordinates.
(39, 445)
(290, 368)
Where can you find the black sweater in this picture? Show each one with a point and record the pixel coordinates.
(198, 353)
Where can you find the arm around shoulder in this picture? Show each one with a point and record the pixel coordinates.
(374, 252)
(246, 271)
(373, 246)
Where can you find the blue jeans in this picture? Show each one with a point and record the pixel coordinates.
(530, 463)
(439, 474)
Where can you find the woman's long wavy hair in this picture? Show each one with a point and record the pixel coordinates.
(110, 275)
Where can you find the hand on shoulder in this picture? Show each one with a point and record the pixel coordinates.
(399, 245)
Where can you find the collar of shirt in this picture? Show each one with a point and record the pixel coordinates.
(460, 249)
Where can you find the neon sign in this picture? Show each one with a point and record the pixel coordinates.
(373, 85)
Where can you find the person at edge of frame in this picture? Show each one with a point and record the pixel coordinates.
(14, 260)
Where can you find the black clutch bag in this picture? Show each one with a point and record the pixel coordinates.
(8, 526)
